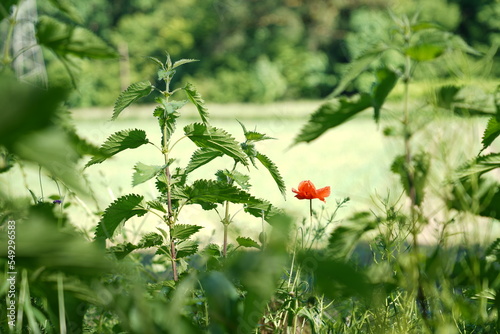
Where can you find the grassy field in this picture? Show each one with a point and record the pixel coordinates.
(354, 159)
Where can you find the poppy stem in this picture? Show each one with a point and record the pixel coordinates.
(311, 212)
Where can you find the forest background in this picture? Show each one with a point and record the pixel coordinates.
(258, 51)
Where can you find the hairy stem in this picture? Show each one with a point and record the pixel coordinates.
(420, 295)
(170, 217)
(225, 223)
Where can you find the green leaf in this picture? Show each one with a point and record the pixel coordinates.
(228, 176)
(25, 108)
(446, 96)
(478, 196)
(356, 67)
(331, 114)
(119, 141)
(201, 157)
(247, 242)
(157, 205)
(496, 99)
(336, 279)
(344, 238)
(186, 248)
(183, 232)
(210, 191)
(157, 61)
(145, 172)
(64, 39)
(122, 250)
(275, 173)
(254, 136)
(172, 106)
(425, 52)
(425, 26)
(196, 99)
(51, 149)
(225, 303)
(67, 8)
(261, 208)
(7, 161)
(414, 175)
(134, 92)
(7, 4)
(117, 213)
(166, 118)
(183, 61)
(491, 132)
(386, 80)
(204, 135)
(250, 151)
(151, 239)
(479, 166)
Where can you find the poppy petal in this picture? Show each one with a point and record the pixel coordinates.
(323, 193)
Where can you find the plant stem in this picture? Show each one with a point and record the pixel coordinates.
(310, 212)
(170, 218)
(12, 23)
(226, 224)
(420, 295)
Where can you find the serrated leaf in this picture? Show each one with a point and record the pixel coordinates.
(253, 135)
(157, 205)
(247, 242)
(491, 132)
(64, 39)
(209, 191)
(145, 172)
(157, 61)
(119, 141)
(425, 52)
(186, 248)
(479, 166)
(182, 232)
(356, 67)
(275, 173)
(201, 157)
(183, 61)
(133, 93)
(386, 80)
(414, 175)
(204, 135)
(67, 8)
(151, 239)
(331, 114)
(228, 176)
(168, 119)
(117, 213)
(122, 250)
(250, 151)
(212, 250)
(261, 208)
(197, 100)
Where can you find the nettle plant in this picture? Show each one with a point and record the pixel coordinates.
(175, 191)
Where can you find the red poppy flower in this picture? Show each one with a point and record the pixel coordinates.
(307, 190)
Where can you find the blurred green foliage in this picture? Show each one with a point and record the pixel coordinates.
(259, 51)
